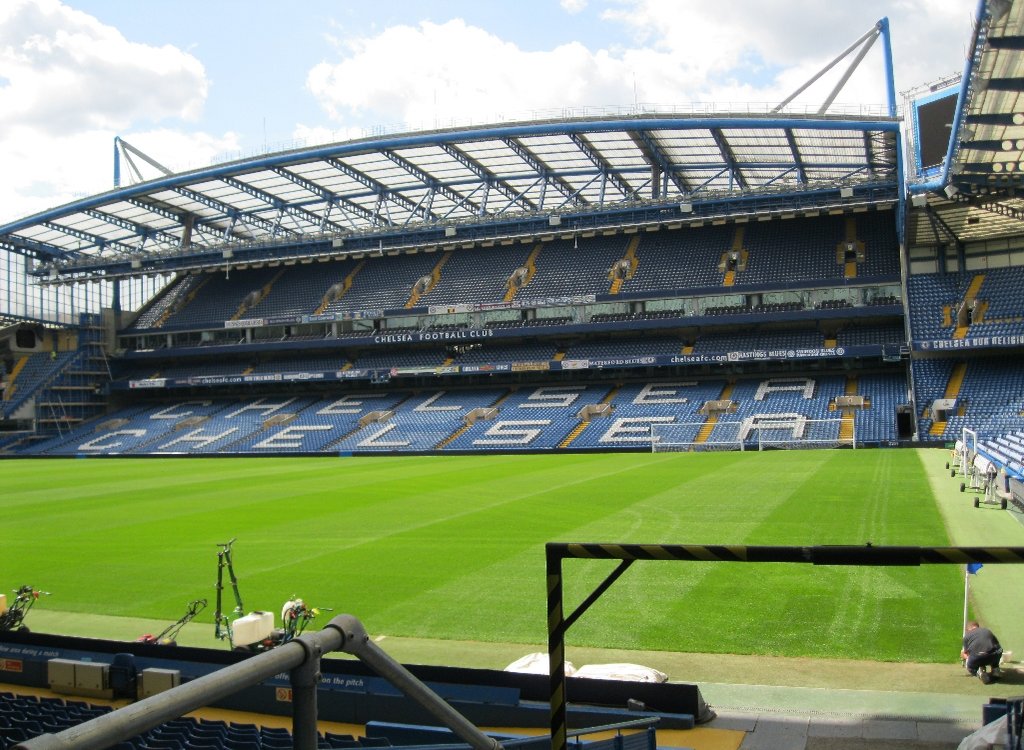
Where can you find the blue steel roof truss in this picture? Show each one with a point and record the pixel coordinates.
(735, 174)
(545, 173)
(488, 178)
(212, 229)
(414, 208)
(417, 182)
(608, 173)
(457, 200)
(652, 150)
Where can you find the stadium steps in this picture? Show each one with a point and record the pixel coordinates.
(11, 385)
(173, 309)
(559, 356)
(578, 429)
(956, 380)
(709, 424)
(687, 349)
(393, 408)
(631, 258)
(735, 250)
(454, 436)
(263, 292)
(979, 312)
(846, 422)
(346, 284)
(435, 276)
(531, 270)
(18, 367)
(849, 239)
(706, 429)
(831, 342)
(576, 432)
(501, 399)
(969, 297)
(947, 316)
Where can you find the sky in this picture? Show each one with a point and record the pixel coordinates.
(192, 83)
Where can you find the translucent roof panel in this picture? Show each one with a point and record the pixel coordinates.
(427, 181)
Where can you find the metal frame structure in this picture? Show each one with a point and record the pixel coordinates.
(459, 184)
(559, 623)
(301, 659)
(976, 195)
(577, 172)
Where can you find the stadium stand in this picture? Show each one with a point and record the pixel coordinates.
(722, 280)
(541, 417)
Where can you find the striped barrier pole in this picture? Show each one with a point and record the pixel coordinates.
(862, 555)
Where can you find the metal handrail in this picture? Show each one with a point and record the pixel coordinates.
(301, 658)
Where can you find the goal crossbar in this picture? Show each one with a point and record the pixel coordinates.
(757, 432)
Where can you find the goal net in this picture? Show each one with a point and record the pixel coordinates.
(966, 449)
(695, 436)
(789, 431)
(757, 432)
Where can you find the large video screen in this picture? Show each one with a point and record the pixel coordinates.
(933, 123)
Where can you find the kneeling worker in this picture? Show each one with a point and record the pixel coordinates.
(982, 652)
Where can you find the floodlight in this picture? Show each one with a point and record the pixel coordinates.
(846, 192)
(554, 221)
(951, 190)
(449, 231)
(919, 201)
(998, 8)
(229, 253)
(686, 208)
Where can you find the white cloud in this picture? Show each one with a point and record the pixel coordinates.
(439, 74)
(67, 72)
(775, 45)
(53, 170)
(573, 6)
(69, 85)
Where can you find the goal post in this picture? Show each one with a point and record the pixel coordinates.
(968, 449)
(669, 437)
(791, 431)
(758, 432)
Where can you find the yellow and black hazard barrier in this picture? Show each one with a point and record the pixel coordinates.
(863, 555)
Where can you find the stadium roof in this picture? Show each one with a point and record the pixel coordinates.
(978, 193)
(482, 181)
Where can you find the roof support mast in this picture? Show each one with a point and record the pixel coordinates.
(866, 40)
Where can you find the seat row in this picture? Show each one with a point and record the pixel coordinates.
(665, 261)
(543, 417)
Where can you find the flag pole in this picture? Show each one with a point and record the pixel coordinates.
(967, 589)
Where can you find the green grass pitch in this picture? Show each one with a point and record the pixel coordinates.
(453, 547)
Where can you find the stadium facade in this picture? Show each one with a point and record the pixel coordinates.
(684, 278)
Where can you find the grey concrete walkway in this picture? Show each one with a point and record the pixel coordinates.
(794, 718)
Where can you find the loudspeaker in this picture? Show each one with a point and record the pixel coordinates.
(25, 338)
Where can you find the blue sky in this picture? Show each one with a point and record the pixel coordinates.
(192, 82)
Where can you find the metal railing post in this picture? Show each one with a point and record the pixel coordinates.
(301, 658)
(305, 679)
(139, 717)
